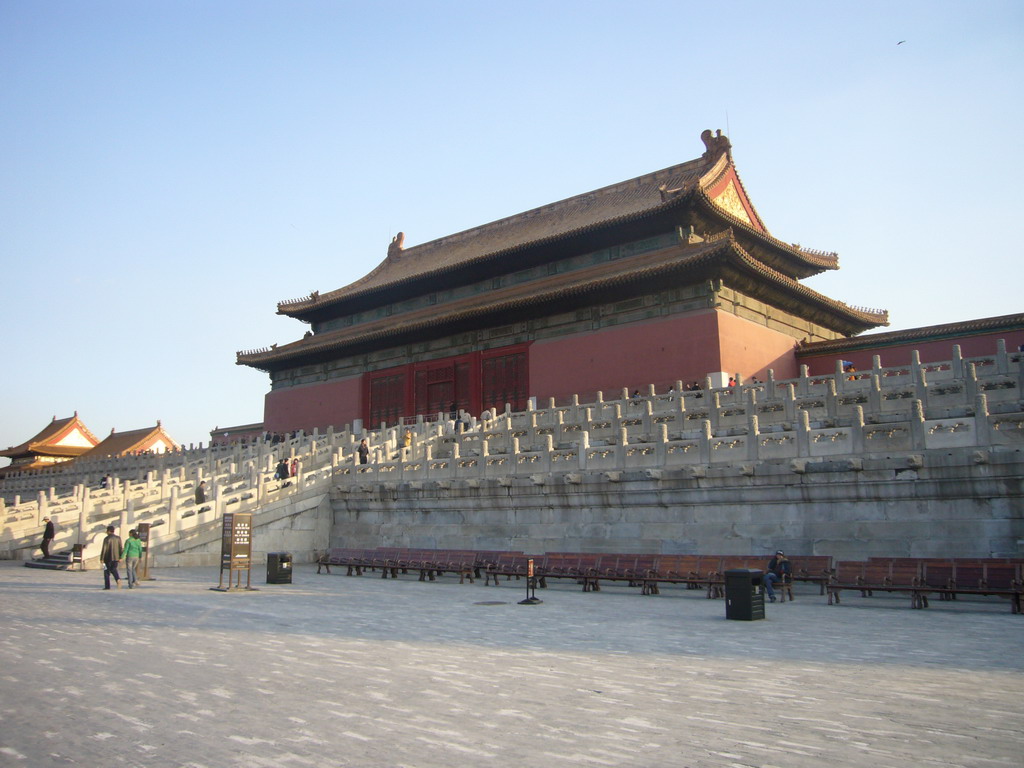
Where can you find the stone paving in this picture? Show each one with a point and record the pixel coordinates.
(339, 671)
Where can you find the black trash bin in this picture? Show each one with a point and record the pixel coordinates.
(279, 568)
(744, 594)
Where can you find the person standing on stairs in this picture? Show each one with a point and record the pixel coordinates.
(47, 537)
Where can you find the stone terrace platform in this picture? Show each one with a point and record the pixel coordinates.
(340, 671)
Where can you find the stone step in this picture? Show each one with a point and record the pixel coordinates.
(57, 561)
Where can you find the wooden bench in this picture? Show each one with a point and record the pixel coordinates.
(988, 577)
(815, 569)
(694, 571)
(882, 576)
(339, 556)
(508, 564)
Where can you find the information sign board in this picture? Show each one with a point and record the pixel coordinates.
(236, 542)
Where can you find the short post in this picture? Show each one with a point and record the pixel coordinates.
(531, 586)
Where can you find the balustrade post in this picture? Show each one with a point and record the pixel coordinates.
(970, 380)
(217, 501)
(82, 519)
(917, 425)
(840, 376)
(803, 434)
(714, 401)
(831, 399)
(982, 422)
(857, 430)
(956, 363)
(705, 442)
(661, 446)
(172, 511)
(753, 438)
(1002, 359)
(921, 387)
(804, 382)
(875, 394)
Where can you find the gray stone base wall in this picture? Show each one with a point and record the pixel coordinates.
(299, 526)
(938, 505)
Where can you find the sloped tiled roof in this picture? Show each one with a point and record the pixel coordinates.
(692, 261)
(45, 442)
(911, 335)
(123, 443)
(627, 200)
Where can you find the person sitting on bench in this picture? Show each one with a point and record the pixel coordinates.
(778, 570)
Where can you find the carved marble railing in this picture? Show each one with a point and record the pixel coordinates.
(972, 405)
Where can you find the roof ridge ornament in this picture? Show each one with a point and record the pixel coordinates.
(667, 194)
(397, 245)
(715, 144)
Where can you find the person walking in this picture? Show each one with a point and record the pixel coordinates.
(281, 473)
(201, 492)
(47, 537)
(364, 451)
(131, 554)
(109, 556)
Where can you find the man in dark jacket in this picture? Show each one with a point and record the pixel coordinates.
(779, 569)
(110, 554)
(47, 537)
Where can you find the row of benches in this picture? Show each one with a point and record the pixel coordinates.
(588, 569)
(921, 577)
(917, 577)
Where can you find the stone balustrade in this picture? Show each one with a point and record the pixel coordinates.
(958, 405)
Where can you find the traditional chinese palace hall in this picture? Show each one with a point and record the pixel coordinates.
(671, 276)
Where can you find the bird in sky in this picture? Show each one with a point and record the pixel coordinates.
(901, 42)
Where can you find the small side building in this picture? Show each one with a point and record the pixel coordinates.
(137, 441)
(59, 441)
(241, 433)
(932, 343)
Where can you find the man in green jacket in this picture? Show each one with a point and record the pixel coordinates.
(131, 554)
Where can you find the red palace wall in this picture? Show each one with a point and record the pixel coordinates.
(659, 352)
(750, 349)
(321, 405)
(899, 354)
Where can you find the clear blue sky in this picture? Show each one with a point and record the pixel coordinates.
(169, 171)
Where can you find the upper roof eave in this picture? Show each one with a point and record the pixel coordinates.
(613, 205)
(607, 206)
(854, 318)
